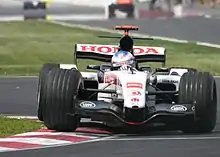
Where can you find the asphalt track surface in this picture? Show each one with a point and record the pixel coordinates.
(18, 96)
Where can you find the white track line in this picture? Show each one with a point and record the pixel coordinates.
(5, 149)
(21, 117)
(11, 18)
(162, 138)
(18, 77)
(78, 17)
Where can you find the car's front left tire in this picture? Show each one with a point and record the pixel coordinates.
(199, 88)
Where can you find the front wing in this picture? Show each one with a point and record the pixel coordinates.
(160, 113)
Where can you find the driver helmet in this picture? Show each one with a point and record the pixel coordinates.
(123, 58)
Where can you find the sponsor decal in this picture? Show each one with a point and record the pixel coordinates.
(99, 48)
(111, 49)
(135, 100)
(144, 50)
(136, 93)
(178, 108)
(134, 85)
(87, 104)
(169, 81)
(111, 79)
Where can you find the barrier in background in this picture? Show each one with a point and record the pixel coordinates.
(141, 9)
(35, 9)
(40, 9)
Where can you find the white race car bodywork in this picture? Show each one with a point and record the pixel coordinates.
(129, 86)
(85, 75)
(170, 78)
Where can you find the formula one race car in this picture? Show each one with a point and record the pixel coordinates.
(129, 9)
(178, 98)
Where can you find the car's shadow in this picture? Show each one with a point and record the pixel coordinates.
(141, 131)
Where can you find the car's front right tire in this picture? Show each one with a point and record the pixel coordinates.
(41, 81)
(61, 87)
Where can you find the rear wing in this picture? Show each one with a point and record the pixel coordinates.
(105, 52)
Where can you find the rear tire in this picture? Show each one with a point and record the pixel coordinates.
(62, 87)
(200, 88)
(40, 93)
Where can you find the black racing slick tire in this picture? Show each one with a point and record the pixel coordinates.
(41, 81)
(199, 88)
(62, 86)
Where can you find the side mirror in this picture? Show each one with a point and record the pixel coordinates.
(93, 67)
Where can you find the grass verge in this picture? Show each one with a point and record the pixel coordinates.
(10, 126)
(25, 46)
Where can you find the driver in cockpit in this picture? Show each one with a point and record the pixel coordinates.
(124, 57)
(123, 60)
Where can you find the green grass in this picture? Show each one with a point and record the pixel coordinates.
(25, 46)
(10, 127)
